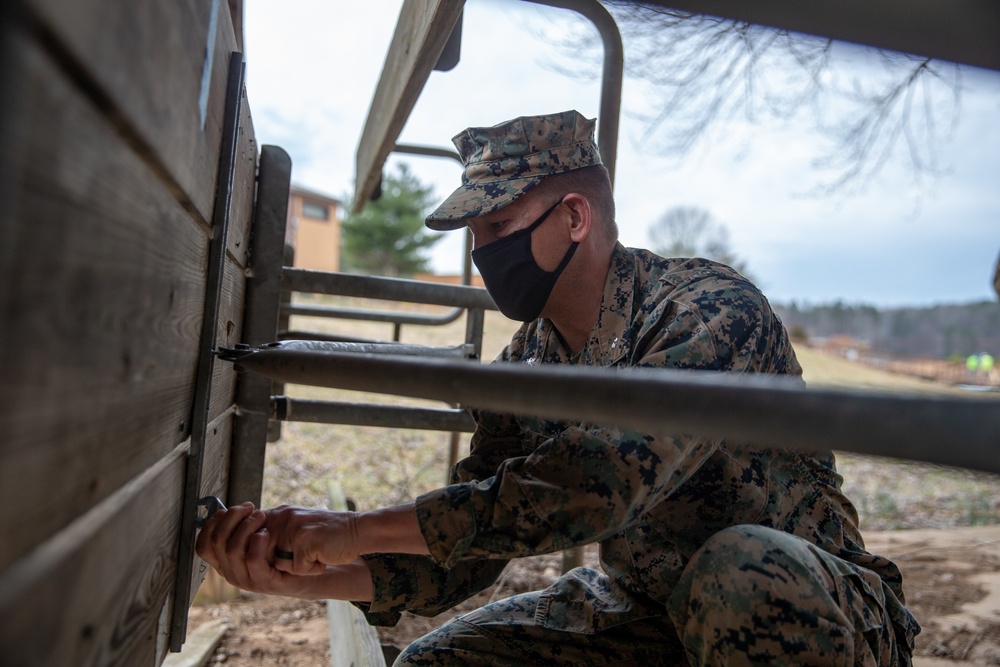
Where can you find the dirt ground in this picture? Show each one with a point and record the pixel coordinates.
(952, 580)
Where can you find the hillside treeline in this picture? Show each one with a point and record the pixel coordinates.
(941, 332)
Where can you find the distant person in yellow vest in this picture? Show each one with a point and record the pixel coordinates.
(985, 363)
(972, 364)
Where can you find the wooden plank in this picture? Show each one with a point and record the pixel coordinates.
(421, 34)
(963, 31)
(200, 646)
(112, 572)
(214, 480)
(103, 287)
(244, 186)
(145, 64)
(229, 334)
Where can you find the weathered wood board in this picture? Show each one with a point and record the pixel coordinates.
(421, 34)
(111, 132)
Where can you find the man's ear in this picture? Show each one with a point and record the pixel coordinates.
(580, 220)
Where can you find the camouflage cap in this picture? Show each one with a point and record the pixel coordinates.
(505, 161)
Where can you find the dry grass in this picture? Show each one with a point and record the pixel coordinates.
(891, 494)
(377, 466)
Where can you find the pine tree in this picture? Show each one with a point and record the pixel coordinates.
(388, 237)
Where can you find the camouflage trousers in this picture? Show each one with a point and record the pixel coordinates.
(751, 595)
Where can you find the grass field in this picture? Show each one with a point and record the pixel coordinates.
(377, 466)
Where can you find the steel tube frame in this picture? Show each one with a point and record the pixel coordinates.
(320, 335)
(286, 408)
(767, 410)
(612, 74)
(368, 315)
(389, 289)
(464, 351)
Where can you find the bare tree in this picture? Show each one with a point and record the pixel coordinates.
(700, 70)
(689, 231)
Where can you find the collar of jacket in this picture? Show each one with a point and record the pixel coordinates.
(608, 343)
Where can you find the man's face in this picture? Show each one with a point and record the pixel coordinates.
(549, 241)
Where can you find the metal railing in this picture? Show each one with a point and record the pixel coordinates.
(766, 410)
(472, 301)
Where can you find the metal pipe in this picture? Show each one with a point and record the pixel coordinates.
(324, 347)
(768, 410)
(391, 316)
(370, 414)
(465, 350)
(611, 76)
(322, 335)
(390, 289)
(474, 325)
(428, 151)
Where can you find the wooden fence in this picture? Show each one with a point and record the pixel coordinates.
(112, 131)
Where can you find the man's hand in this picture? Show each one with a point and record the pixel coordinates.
(243, 544)
(315, 538)
(240, 545)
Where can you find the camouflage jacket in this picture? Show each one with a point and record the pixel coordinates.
(531, 486)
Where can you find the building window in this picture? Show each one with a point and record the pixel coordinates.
(315, 211)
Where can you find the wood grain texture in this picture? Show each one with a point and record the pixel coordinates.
(109, 183)
(244, 187)
(103, 295)
(144, 62)
(421, 33)
(230, 333)
(214, 478)
(112, 572)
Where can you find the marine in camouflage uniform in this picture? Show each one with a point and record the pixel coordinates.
(712, 552)
(709, 549)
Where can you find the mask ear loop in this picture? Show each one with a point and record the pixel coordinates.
(543, 217)
(572, 249)
(566, 258)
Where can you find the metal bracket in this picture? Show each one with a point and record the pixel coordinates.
(211, 505)
(206, 358)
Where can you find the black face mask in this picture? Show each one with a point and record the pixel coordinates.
(517, 284)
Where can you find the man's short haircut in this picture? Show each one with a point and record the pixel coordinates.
(592, 182)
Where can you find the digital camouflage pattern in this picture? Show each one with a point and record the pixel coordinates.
(505, 161)
(817, 610)
(724, 546)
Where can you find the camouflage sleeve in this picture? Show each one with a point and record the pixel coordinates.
(580, 484)
(404, 582)
(416, 583)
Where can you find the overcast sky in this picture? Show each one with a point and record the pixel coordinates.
(313, 66)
